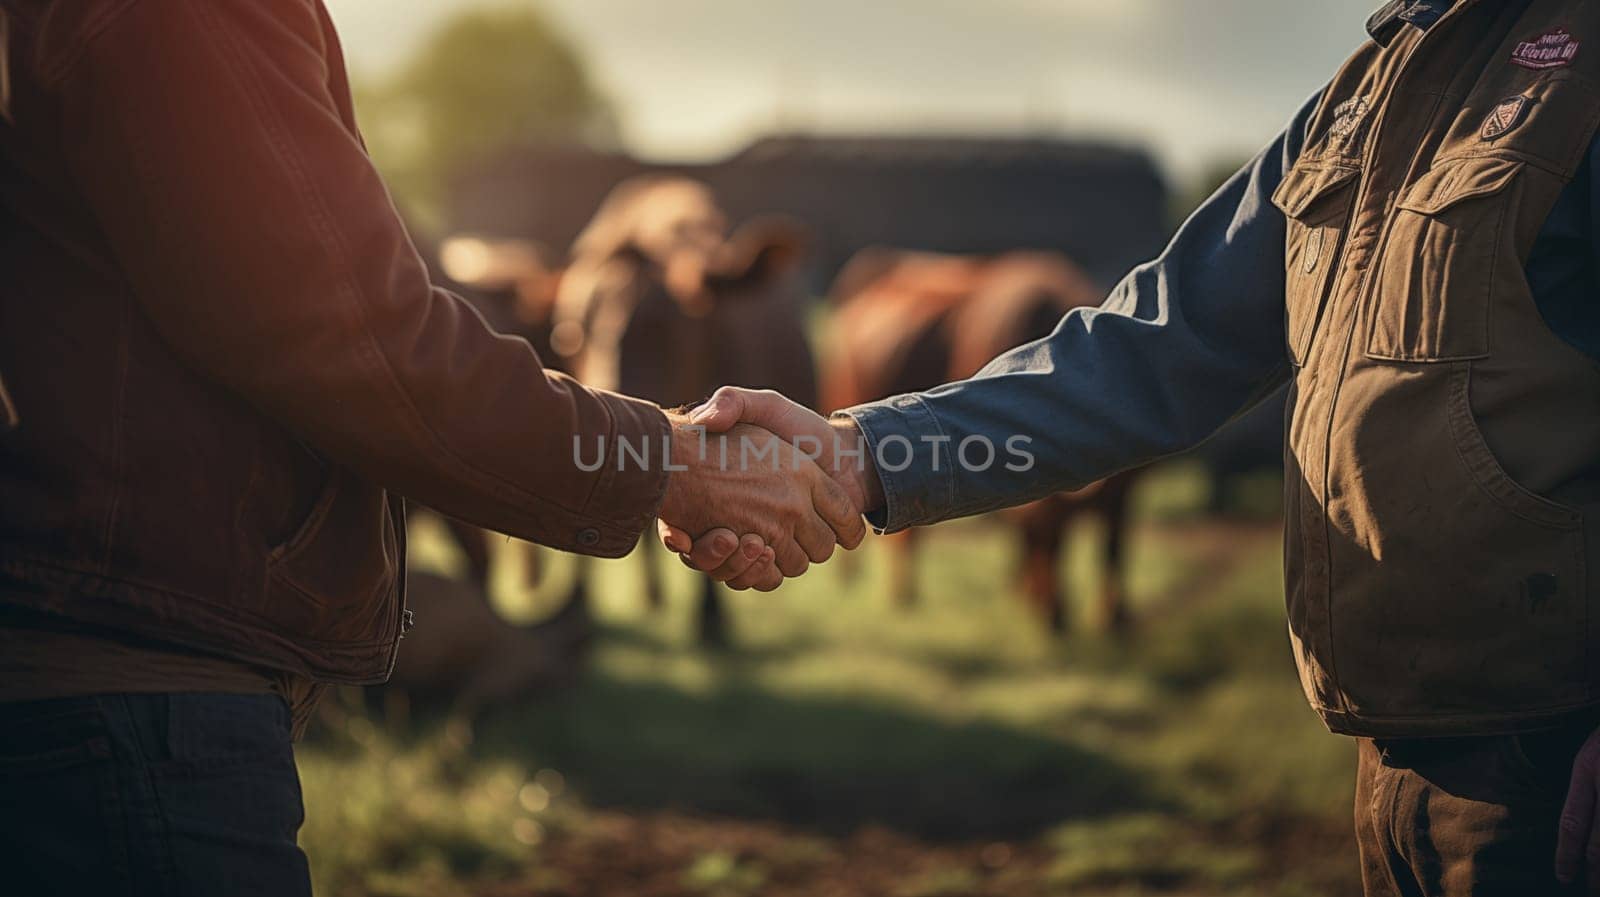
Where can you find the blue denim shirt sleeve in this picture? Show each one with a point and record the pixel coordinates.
(1182, 345)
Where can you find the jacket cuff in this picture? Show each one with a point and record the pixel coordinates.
(912, 456)
(632, 481)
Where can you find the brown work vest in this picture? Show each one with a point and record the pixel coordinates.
(1443, 462)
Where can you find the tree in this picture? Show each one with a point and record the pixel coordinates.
(488, 79)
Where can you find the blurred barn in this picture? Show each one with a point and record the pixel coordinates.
(1100, 204)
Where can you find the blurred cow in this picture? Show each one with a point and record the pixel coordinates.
(908, 321)
(511, 285)
(660, 301)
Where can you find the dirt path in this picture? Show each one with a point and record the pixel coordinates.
(673, 855)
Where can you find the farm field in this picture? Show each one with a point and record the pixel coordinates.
(846, 747)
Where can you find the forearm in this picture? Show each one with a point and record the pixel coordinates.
(1104, 393)
(1182, 345)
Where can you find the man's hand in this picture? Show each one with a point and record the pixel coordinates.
(838, 447)
(749, 481)
(742, 563)
(1578, 840)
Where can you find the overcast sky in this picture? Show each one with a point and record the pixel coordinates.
(1193, 80)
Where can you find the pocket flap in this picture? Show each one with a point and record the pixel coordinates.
(1452, 182)
(1304, 185)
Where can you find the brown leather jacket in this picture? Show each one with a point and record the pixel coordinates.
(228, 360)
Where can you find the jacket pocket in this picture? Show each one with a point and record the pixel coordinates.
(1431, 301)
(1317, 200)
(1461, 596)
(331, 580)
(1487, 472)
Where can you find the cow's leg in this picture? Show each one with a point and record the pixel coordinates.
(849, 567)
(532, 569)
(578, 595)
(474, 545)
(902, 568)
(1044, 526)
(396, 708)
(713, 620)
(654, 591)
(1113, 595)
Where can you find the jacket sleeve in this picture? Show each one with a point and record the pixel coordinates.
(265, 250)
(1183, 344)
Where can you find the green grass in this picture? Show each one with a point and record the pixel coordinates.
(1180, 760)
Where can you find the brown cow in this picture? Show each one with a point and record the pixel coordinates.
(661, 302)
(510, 284)
(908, 321)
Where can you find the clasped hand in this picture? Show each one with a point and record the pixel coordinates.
(758, 507)
(746, 523)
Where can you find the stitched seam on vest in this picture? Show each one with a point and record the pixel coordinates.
(1509, 154)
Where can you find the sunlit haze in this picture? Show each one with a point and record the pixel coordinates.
(1195, 82)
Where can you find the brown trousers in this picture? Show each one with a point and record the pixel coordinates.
(1453, 817)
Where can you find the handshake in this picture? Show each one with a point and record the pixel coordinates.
(763, 487)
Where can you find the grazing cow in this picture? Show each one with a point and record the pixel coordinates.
(661, 302)
(908, 321)
(509, 283)
(465, 657)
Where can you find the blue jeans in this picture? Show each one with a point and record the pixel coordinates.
(151, 794)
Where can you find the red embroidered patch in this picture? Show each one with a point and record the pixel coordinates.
(1552, 49)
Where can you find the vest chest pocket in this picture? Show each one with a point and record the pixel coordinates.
(1429, 298)
(1316, 199)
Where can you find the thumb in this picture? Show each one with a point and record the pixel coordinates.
(725, 408)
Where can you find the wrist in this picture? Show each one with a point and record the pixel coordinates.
(860, 476)
(682, 455)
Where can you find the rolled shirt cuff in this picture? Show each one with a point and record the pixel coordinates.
(913, 458)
